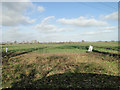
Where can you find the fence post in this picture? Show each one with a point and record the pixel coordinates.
(6, 50)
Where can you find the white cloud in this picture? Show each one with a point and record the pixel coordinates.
(96, 33)
(15, 34)
(7, 21)
(89, 33)
(112, 16)
(45, 20)
(108, 29)
(41, 8)
(44, 26)
(82, 22)
(101, 31)
(12, 13)
(111, 28)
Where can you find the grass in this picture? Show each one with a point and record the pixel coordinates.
(82, 46)
(59, 65)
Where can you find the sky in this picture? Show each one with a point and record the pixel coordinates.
(59, 21)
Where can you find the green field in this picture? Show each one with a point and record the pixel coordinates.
(60, 65)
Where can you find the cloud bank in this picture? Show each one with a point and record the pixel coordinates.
(45, 27)
(82, 22)
(12, 14)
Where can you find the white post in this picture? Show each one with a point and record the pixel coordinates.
(6, 50)
(90, 48)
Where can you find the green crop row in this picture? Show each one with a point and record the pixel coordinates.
(111, 47)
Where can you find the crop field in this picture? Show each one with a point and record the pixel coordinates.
(62, 65)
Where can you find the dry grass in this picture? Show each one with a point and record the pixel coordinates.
(37, 66)
(66, 61)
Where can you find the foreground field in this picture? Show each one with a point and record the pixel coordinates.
(61, 65)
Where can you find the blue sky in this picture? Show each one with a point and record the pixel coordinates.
(59, 21)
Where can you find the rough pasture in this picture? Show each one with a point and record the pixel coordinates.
(60, 65)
